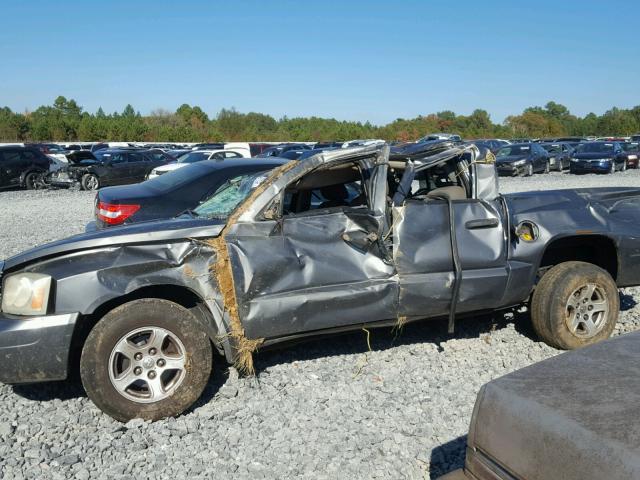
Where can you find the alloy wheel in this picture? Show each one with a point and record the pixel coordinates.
(587, 310)
(147, 364)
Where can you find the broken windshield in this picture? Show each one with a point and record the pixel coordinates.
(229, 195)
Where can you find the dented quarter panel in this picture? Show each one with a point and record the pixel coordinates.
(607, 212)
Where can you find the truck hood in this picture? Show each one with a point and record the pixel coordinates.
(570, 417)
(137, 233)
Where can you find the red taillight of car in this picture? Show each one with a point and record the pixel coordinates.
(115, 214)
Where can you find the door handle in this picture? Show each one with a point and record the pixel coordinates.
(482, 223)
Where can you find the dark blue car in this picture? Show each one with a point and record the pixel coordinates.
(598, 157)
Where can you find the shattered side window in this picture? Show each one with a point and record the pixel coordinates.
(229, 195)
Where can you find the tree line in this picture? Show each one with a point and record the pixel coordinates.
(65, 120)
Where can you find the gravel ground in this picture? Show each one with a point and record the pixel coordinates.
(324, 409)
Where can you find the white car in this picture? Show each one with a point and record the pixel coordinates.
(197, 156)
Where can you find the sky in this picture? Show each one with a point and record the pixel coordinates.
(351, 60)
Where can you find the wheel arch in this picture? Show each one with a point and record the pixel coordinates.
(32, 169)
(178, 294)
(597, 249)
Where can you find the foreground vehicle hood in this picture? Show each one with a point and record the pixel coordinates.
(571, 417)
(137, 233)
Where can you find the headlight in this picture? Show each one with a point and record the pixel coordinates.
(519, 163)
(26, 294)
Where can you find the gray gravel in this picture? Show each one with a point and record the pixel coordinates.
(323, 409)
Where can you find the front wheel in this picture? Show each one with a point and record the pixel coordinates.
(575, 304)
(90, 182)
(528, 170)
(613, 167)
(146, 359)
(624, 166)
(546, 167)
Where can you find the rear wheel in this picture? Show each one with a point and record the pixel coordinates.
(624, 166)
(146, 359)
(559, 164)
(575, 304)
(32, 180)
(90, 182)
(613, 167)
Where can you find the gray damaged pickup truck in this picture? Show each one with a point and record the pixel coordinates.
(344, 239)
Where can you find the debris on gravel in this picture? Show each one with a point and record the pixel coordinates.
(327, 408)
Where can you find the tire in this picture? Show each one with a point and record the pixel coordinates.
(546, 167)
(560, 303)
(31, 180)
(528, 170)
(624, 166)
(613, 167)
(121, 384)
(90, 182)
(559, 165)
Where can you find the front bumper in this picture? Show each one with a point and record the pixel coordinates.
(35, 349)
(590, 167)
(508, 169)
(62, 179)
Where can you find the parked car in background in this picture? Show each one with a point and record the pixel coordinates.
(571, 417)
(257, 148)
(177, 152)
(54, 151)
(193, 157)
(107, 167)
(440, 136)
(92, 147)
(208, 146)
(493, 144)
(296, 154)
(559, 155)
(362, 142)
(635, 138)
(572, 139)
(598, 157)
(522, 159)
(22, 167)
(242, 147)
(325, 145)
(171, 194)
(278, 150)
(632, 151)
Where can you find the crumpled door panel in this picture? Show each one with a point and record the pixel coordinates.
(302, 275)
